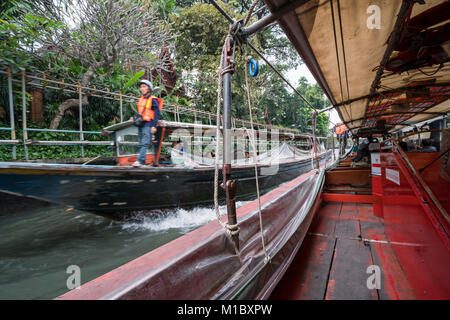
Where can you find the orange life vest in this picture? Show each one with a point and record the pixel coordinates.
(145, 107)
(341, 129)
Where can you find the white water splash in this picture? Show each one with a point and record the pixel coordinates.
(183, 219)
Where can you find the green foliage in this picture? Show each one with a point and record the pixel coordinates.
(135, 78)
(200, 31)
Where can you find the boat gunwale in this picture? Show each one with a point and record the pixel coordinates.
(36, 168)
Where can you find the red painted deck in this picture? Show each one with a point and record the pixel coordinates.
(346, 237)
(343, 241)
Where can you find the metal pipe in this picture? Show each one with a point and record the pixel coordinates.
(227, 117)
(325, 109)
(120, 106)
(80, 98)
(84, 142)
(334, 151)
(62, 131)
(215, 4)
(228, 184)
(128, 99)
(314, 116)
(11, 113)
(266, 20)
(24, 116)
(259, 10)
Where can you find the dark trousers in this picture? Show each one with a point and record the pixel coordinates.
(144, 138)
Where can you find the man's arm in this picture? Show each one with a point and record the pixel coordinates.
(155, 108)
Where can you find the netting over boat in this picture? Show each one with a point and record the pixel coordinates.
(282, 153)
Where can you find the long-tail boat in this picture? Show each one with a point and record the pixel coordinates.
(345, 230)
(117, 189)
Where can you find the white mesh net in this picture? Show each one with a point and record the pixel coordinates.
(282, 153)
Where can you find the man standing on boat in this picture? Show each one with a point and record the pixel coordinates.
(150, 108)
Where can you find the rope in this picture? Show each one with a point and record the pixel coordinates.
(343, 53)
(234, 30)
(255, 159)
(337, 55)
(250, 11)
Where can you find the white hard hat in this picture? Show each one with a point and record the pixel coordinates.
(148, 83)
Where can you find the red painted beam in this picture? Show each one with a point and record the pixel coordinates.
(354, 198)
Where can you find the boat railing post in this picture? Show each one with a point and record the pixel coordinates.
(11, 113)
(24, 116)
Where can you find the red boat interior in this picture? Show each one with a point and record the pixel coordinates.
(374, 231)
(400, 231)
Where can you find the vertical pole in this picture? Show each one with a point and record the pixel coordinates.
(11, 113)
(121, 102)
(334, 151)
(377, 185)
(80, 98)
(24, 116)
(228, 183)
(314, 115)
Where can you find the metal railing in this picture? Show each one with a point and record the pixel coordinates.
(44, 83)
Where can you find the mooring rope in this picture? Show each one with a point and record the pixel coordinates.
(250, 11)
(255, 159)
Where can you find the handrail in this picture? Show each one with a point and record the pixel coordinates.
(427, 189)
(106, 94)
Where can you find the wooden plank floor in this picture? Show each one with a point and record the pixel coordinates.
(343, 241)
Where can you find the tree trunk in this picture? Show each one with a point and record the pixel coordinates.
(74, 102)
(62, 109)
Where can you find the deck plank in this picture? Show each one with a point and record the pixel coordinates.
(348, 277)
(343, 241)
(326, 218)
(394, 283)
(307, 277)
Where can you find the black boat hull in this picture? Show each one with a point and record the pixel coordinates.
(113, 191)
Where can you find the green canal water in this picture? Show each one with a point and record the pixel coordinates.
(37, 246)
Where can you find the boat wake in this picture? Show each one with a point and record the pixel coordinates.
(184, 220)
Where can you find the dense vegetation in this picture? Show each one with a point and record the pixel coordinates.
(109, 44)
